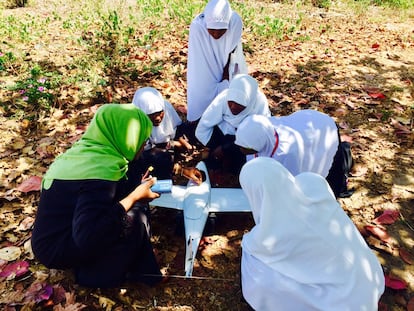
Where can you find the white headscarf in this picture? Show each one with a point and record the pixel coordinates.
(150, 100)
(244, 90)
(256, 132)
(304, 253)
(217, 14)
(306, 141)
(208, 56)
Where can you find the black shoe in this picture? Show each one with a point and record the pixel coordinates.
(347, 193)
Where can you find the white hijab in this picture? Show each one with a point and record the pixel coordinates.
(304, 247)
(244, 90)
(305, 141)
(208, 56)
(149, 100)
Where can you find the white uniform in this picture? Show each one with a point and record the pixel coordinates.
(208, 56)
(304, 253)
(305, 141)
(243, 90)
(150, 101)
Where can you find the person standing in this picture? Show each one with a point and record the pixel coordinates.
(214, 55)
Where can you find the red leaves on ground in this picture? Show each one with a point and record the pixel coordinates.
(31, 184)
(14, 269)
(377, 95)
(375, 46)
(406, 256)
(38, 292)
(374, 92)
(388, 217)
(379, 233)
(394, 282)
(400, 129)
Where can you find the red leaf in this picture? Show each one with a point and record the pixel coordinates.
(38, 292)
(32, 184)
(15, 269)
(375, 46)
(388, 217)
(377, 95)
(394, 282)
(379, 233)
(406, 256)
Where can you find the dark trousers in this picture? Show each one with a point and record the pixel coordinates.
(132, 259)
(339, 171)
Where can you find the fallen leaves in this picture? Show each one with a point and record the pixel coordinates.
(388, 217)
(406, 256)
(395, 282)
(379, 238)
(33, 183)
(14, 270)
(377, 95)
(379, 233)
(10, 253)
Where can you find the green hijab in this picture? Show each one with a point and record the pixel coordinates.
(113, 138)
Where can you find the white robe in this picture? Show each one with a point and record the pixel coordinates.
(304, 253)
(208, 56)
(150, 100)
(243, 90)
(307, 140)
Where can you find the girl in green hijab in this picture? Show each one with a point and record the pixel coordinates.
(90, 217)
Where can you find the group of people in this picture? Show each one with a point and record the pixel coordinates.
(303, 253)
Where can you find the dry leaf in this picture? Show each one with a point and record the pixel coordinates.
(394, 282)
(378, 244)
(406, 256)
(379, 233)
(26, 224)
(14, 270)
(377, 95)
(32, 184)
(10, 253)
(388, 217)
(38, 292)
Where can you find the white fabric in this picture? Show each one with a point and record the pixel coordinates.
(207, 58)
(243, 90)
(308, 140)
(150, 101)
(238, 63)
(304, 252)
(217, 14)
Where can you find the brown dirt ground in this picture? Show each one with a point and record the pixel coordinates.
(348, 57)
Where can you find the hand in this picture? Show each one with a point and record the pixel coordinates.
(193, 174)
(183, 141)
(142, 192)
(145, 189)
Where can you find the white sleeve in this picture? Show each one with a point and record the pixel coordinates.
(211, 117)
